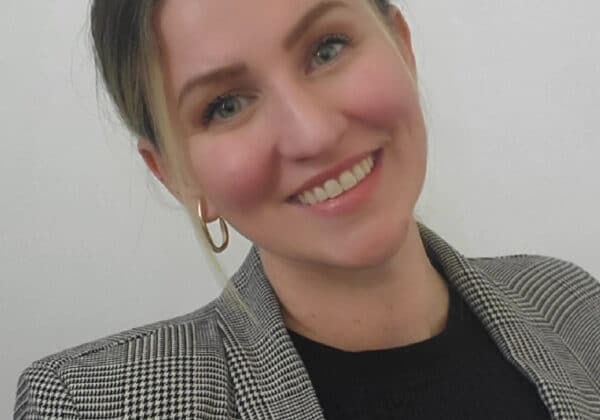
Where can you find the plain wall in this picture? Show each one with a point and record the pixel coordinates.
(90, 246)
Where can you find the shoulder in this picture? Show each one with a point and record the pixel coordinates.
(101, 373)
(556, 299)
(526, 271)
(183, 335)
(552, 293)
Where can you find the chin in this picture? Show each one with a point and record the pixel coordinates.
(369, 251)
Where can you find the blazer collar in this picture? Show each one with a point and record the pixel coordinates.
(268, 375)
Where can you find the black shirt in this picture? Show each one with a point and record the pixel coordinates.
(458, 374)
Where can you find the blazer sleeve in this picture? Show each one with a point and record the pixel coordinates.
(577, 315)
(41, 394)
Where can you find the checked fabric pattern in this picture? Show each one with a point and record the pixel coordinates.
(222, 362)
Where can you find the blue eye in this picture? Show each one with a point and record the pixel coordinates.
(224, 108)
(329, 49)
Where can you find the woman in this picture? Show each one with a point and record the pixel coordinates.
(299, 123)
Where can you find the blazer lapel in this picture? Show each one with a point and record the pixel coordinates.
(524, 339)
(268, 375)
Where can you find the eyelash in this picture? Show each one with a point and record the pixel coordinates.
(212, 107)
(331, 39)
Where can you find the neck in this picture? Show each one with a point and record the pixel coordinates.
(400, 302)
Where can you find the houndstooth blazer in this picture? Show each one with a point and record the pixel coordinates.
(217, 363)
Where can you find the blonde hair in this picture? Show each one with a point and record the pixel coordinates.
(127, 57)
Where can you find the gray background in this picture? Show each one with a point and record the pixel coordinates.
(89, 245)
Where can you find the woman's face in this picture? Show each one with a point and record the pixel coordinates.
(280, 101)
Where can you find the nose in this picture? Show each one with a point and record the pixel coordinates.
(307, 120)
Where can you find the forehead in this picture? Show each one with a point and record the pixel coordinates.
(200, 35)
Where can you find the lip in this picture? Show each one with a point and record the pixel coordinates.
(352, 200)
(332, 173)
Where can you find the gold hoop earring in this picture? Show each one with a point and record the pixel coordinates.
(224, 231)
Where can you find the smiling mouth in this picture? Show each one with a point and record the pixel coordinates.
(335, 187)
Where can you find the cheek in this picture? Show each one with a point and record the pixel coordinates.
(382, 90)
(233, 173)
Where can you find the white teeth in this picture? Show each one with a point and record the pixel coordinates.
(335, 187)
(358, 172)
(347, 180)
(366, 167)
(321, 194)
(310, 198)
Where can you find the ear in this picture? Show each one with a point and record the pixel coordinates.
(402, 34)
(152, 158)
(155, 162)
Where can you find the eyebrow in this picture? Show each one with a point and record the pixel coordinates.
(308, 19)
(239, 69)
(215, 76)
